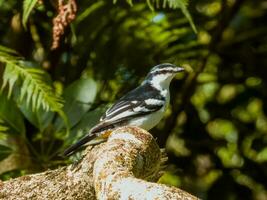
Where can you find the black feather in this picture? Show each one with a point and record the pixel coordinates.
(70, 150)
(139, 95)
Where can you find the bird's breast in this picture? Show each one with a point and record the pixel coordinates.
(149, 121)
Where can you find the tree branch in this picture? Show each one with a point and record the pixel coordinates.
(117, 169)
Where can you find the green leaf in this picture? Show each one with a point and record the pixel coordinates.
(4, 152)
(7, 50)
(150, 5)
(88, 11)
(7, 54)
(28, 6)
(85, 124)
(9, 77)
(188, 16)
(182, 4)
(40, 118)
(10, 114)
(35, 89)
(3, 127)
(174, 4)
(33, 83)
(129, 2)
(79, 97)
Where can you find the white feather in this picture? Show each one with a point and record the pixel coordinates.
(153, 101)
(162, 81)
(151, 120)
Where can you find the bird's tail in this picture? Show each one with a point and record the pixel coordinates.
(70, 150)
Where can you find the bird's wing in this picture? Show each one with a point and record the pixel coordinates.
(143, 100)
(128, 109)
(123, 111)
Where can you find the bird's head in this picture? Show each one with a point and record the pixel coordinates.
(161, 75)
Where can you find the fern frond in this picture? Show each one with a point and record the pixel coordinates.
(28, 6)
(174, 4)
(183, 6)
(6, 50)
(34, 88)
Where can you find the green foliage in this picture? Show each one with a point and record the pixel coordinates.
(3, 127)
(10, 115)
(34, 87)
(4, 152)
(214, 130)
(79, 97)
(40, 118)
(182, 5)
(174, 4)
(28, 6)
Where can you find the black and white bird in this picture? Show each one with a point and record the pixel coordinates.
(143, 107)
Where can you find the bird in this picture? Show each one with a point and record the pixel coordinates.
(143, 107)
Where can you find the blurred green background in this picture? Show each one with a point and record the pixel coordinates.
(215, 130)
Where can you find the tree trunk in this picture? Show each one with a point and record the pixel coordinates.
(117, 169)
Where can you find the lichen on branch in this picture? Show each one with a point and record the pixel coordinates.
(117, 169)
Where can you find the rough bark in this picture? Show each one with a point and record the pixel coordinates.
(117, 169)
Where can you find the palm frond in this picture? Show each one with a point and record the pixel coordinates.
(34, 88)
